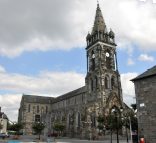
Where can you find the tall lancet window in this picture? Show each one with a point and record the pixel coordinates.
(107, 82)
(93, 60)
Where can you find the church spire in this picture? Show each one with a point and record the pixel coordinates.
(99, 24)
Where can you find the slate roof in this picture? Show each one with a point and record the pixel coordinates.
(37, 99)
(150, 72)
(49, 100)
(71, 94)
(99, 23)
(4, 116)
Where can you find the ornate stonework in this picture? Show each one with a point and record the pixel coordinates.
(78, 110)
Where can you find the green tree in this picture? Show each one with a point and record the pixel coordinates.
(1, 126)
(59, 127)
(38, 128)
(101, 123)
(16, 127)
(114, 122)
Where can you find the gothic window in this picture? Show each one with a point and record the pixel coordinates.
(69, 120)
(37, 118)
(42, 110)
(107, 82)
(93, 60)
(112, 82)
(38, 109)
(29, 108)
(108, 60)
(46, 109)
(96, 82)
(33, 109)
(92, 85)
(93, 120)
(78, 120)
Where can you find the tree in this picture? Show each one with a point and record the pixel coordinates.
(38, 128)
(59, 127)
(101, 123)
(1, 126)
(16, 127)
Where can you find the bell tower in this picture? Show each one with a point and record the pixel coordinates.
(102, 79)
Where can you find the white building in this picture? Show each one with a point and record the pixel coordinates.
(3, 122)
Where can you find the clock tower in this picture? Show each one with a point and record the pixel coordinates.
(102, 79)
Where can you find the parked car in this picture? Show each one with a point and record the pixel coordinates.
(4, 135)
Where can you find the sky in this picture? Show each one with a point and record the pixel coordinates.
(42, 45)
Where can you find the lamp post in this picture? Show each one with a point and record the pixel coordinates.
(117, 127)
(116, 113)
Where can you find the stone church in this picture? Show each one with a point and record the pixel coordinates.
(78, 110)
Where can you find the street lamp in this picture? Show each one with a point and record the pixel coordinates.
(116, 113)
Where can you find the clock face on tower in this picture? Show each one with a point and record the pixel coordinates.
(93, 56)
(107, 54)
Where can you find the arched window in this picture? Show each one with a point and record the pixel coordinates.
(37, 118)
(42, 110)
(46, 109)
(93, 120)
(69, 120)
(38, 110)
(107, 82)
(92, 85)
(78, 119)
(96, 82)
(112, 82)
(29, 108)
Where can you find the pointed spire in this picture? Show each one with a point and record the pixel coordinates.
(99, 24)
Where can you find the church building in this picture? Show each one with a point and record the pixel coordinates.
(78, 110)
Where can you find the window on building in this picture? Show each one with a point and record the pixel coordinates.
(46, 109)
(37, 118)
(42, 110)
(34, 109)
(93, 120)
(78, 119)
(112, 82)
(107, 82)
(92, 85)
(29, 108)
(96, 82)
(38, 110)
(69, 120)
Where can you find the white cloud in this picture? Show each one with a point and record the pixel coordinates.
(45, 84)
(39, 25)
(130, 62)
(10, 104)
(49, 84)
(2, 69)
(128, 87)
(53, 83)
(146, 58)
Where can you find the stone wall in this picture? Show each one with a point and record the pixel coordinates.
(146, 104)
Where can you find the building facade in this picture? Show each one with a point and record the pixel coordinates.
(145, 89)
(3, 122)
(32, 108)
(78, 110)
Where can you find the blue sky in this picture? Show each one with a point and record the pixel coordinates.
(42, 45)
(31, 63)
